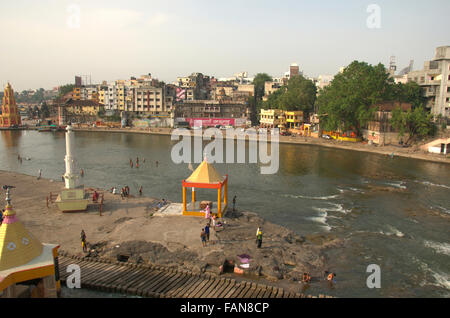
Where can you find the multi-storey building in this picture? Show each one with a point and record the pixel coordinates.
(435, 79)
(270, 88)
(272, 118)
(277, 118)
(212, 112)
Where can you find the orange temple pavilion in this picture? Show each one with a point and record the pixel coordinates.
(206, 177)
(10, 114)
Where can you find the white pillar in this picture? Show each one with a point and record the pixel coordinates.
(69, 176)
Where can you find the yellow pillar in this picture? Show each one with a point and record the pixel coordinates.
(225, 194)
(193, 198)
(219, 205)
(184, 199)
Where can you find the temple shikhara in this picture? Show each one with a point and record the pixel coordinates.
(10, 114)
(28, 268)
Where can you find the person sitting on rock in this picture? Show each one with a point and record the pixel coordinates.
(306, 278)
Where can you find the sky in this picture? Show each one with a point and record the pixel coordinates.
(45, 43)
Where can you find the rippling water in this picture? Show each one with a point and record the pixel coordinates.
(390, 212)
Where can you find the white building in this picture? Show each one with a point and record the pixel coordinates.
(435, 79)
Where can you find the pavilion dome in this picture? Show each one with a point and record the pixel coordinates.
(17, 246)
(205, 173)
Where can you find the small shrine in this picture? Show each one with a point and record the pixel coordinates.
(73, 198)
(206, 177)
(28, 268)
(10, 114)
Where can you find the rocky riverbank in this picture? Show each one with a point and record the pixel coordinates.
(128, 228)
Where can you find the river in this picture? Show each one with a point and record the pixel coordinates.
(393, 212)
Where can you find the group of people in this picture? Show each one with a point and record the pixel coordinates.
(132, 164)
(328, 276)
(161, 203)
(204, 235)
(125, 192)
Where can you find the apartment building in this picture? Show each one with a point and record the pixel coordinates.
(212, 109)
(270, 88)
(272, 118)
(435, 79)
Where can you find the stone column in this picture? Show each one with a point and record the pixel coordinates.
(69, 176)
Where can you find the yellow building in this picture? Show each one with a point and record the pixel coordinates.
(101, 95)
(10, 114)
(121, 96)
(76, 93)
(83, 107)
(272, 118)
(294, 119)
(25, 261)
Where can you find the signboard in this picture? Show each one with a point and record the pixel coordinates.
(211, 122)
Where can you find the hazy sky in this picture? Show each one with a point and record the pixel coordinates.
(41, 45)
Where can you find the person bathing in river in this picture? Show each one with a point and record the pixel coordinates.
(140, 190)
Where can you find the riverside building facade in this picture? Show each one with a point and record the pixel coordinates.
(435, 79)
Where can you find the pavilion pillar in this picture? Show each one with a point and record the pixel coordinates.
(50, 287)
(184, 199)
(225, 194)
(193, 198)
(219, 199)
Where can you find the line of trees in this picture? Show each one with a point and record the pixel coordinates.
(347, 103)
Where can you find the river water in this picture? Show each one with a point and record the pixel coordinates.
(391, 212)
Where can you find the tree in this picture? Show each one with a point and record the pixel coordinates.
(45, 111)
(64, 89)
(259, 82)
(300, 94)
(274, 100)
(346, 103)
(416, 123)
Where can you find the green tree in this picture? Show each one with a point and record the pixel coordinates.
(274, 100)
(259, 81)
(45, 111)
(64, 89)
(346, 103)
(410, 92)
(416, 123)
(300, 94)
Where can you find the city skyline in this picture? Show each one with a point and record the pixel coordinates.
(45, 46)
